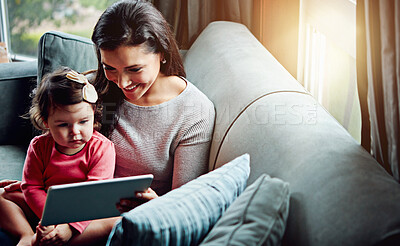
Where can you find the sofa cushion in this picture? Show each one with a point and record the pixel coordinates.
(185, 215)
(12, 161)
(58, 49)
(257, 217)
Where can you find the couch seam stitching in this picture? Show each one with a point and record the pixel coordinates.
(243, 110)
(60, 35)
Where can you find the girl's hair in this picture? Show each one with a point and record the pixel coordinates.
(57, 90)
(131, 23)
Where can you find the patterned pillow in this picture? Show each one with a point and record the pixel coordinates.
(185, 215)
(257, 217)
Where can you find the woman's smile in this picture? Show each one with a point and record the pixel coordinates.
(131, 88)
(134, 70)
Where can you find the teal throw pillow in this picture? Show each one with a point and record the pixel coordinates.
(257, 217)
(185, 215)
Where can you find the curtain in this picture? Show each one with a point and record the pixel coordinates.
(378, 79)
(189, 17)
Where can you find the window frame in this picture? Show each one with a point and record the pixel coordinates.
(5, 35)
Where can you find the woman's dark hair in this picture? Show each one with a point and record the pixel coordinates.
(131, 23)
(55, 90)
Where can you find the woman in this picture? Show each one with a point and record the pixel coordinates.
(161, 123)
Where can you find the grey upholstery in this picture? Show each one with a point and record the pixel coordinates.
(58, 49)
(339, 194)
(16, 83)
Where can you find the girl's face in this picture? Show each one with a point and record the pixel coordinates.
(134, 70)
(71, 126)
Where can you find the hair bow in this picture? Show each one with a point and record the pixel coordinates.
(88, 91)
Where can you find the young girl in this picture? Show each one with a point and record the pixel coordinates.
(70, 150)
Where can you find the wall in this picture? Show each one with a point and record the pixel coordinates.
(276, 25)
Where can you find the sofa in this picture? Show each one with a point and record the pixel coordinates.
(339, 194)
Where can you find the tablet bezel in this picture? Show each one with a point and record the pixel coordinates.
(90, 200)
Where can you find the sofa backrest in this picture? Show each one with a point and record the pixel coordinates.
(57, 49)
(235, 71)
(339, 194)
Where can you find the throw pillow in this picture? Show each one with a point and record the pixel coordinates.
(185, 215)
(257, 217)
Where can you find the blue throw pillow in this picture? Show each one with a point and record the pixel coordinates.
(257, 217)
(185, 215)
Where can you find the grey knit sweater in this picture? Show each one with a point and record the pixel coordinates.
(170, 140)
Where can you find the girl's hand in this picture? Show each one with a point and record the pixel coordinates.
(55, 235)
(10, 185)
(127, 204)
(41, 231)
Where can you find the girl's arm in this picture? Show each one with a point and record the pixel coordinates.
(32, 181)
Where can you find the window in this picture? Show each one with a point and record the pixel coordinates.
(326, 61)
(25, 21)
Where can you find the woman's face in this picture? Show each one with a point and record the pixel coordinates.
(133, 69)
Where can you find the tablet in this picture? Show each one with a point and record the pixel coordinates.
(90, 200)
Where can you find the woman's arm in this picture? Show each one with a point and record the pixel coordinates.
(190, 161)
(191, 156)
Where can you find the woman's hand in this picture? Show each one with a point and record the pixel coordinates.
(127, 204)
(10, 185)
(54, 235)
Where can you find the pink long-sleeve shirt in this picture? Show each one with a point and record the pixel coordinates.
(46, 166)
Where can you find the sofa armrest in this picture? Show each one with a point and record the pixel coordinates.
(16, 83)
